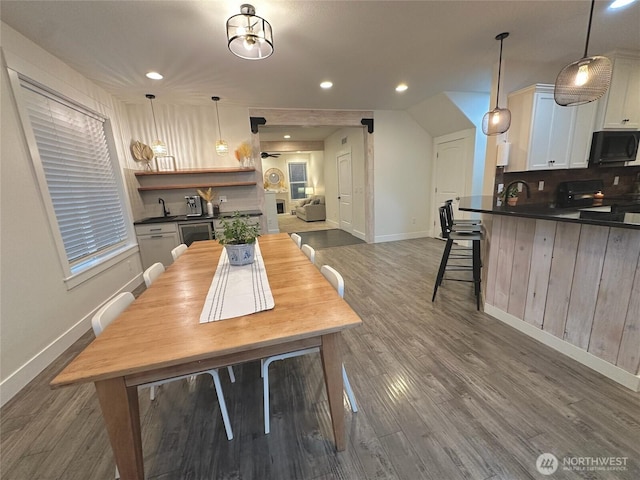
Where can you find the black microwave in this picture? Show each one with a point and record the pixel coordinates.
(613, 147)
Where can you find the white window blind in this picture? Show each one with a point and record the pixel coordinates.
(75, 157)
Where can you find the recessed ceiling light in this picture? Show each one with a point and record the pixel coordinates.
(154, 76)
(326, 85)
(287, 136)
(620, 3)
(402, 87)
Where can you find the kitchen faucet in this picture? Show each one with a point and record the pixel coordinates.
(165, 212)
(526, 186)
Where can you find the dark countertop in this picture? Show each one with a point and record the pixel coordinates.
(203, 218)
(621, 212)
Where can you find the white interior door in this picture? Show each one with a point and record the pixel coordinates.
(452, 175)
(345, 200)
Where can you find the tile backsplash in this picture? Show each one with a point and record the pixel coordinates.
(551, 178)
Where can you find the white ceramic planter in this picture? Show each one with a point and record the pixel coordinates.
(241, 254)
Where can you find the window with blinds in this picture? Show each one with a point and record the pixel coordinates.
(80, 178)
(297, 179)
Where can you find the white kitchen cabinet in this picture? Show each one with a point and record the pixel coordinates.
(271, 212)
(546, 136)
(620, 105)
(156, 240)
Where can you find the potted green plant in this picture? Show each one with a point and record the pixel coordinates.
(511, 195)
(239, 238)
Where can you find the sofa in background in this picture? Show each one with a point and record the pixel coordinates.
(312, 209)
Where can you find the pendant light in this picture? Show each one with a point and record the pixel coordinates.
(158, 146)
(498, 120)
(249, 36)
(221, 146)
(584, 80)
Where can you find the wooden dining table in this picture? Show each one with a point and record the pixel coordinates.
(160, 336)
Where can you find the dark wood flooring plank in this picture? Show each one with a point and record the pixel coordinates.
(444, 391)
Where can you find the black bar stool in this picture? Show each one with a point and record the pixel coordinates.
(464, 259)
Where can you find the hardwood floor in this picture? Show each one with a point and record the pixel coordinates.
(445, 392)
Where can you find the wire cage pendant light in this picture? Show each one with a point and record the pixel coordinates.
(221, 146)
(249, 36)
(584, 80)
(158, 147)
(498, 120)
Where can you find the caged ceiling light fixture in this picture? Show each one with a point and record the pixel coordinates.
(584, 80)
(248, 35)
(221, 146)
(158, 146)
(498, 120)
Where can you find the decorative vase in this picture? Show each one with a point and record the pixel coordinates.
(512, 201)
(209, 209)
(242, 254)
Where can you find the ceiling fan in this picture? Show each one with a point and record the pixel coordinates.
(266, 155)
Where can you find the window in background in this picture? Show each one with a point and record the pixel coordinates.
(297, 179)
(75, 170)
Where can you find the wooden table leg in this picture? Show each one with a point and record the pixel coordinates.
(332, 366)
(121, 413)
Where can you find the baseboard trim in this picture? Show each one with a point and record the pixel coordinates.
(601, 366)
(19, 379)
(400, 236)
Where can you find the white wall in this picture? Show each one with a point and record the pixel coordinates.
(402, 177)
(190, 132)
(39, 317)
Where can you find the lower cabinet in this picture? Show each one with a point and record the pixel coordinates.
(156, 242)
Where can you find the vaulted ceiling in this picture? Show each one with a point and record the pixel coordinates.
(364, 47)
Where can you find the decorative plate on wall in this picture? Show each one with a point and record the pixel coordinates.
(274, 178)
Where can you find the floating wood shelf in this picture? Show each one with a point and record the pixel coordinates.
(197, 171)
(192, 186)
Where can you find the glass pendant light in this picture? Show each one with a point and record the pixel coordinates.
(158, 146)
(584, 80)
(249, 36)
(498, 120)
(221, 146)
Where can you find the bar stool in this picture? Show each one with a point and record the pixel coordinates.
(454, 223)
(465, 259)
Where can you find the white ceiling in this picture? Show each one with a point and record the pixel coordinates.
(365, 47)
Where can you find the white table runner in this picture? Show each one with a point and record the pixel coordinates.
(237, 290)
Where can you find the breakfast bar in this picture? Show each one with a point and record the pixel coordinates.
(570, 278)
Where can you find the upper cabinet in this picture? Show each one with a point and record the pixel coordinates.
(546, 136)
(620, 105)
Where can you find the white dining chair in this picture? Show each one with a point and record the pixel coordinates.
(152, 273)
(179, 250)
(337, 282)
(112, 309)
(297, 239)
(309, 252)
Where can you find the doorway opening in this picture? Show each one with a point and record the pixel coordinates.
(270, 118)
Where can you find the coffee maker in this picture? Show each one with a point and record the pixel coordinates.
(194, 206)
